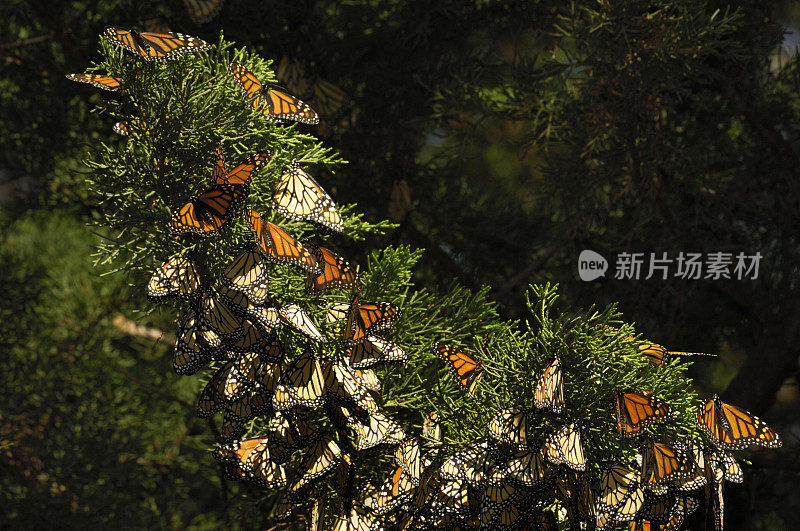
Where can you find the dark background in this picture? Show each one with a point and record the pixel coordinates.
(521, 132)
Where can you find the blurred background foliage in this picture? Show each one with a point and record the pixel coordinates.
(503, 137)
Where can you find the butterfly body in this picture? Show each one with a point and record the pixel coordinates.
(276, 105)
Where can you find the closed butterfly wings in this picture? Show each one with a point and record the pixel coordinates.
(276, 105)
(155, 46)
(299, 196)
(549, 391)
(177, 277)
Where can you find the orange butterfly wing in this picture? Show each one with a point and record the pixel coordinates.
(285, 107)
(732, 428)
(464, 369)
(635, 411)
(370, 316)
(209, 212)
(279, 246)
(243, 172)
(336, 272)
(155, 46)
(113, 84)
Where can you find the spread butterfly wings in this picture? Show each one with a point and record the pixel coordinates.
(243, 172)
(564, 446)
(210, 212)
(279, 246)
(464, 369)
(366, 317)
(155, 46)
(336, 272)
(732, 428)
(635, 411)
(177, 277)
(113, 84)
(299, 196)
(278, 106)
(549, 392)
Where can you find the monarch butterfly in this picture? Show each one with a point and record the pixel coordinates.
(328, 98)
(549, 391)
(681, 508)
(294, 316)
(278, 246)
(635, 411)
(471, 464)
(176, 277)
(656, 353)
(407, 456)
(453, 496)
(113, 84)
(291, 432)
(251, 403)
(526, 468)
(121, 128)
(194, 347)
(337, 311)
(368, 379)
(343, 386)
(621, 493)
(299, 196)
(732, 428)
(231, 429)
(278, 106)
(359, 519)
(431, 425)
(662, 463)
(726, 466)
(396, 491)
(336, 272)
(155, 46)
(499, 496)
(320, 459)
(564, 446)
(696, 478)
(303, 384)
(212, 398)
(201, 11)
(464, 369)
(215, 315)
(253, 334)
(510, 425)
(377, 428)
(251, 459)
(616, 331)
(375, 350)
(248, 274)
(546, 521)
(209, 212)
(244, 172)
(368, 317)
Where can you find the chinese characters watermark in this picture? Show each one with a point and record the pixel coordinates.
(686, 266)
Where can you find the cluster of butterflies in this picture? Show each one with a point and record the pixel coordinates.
(319, 409)
(274, 103)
